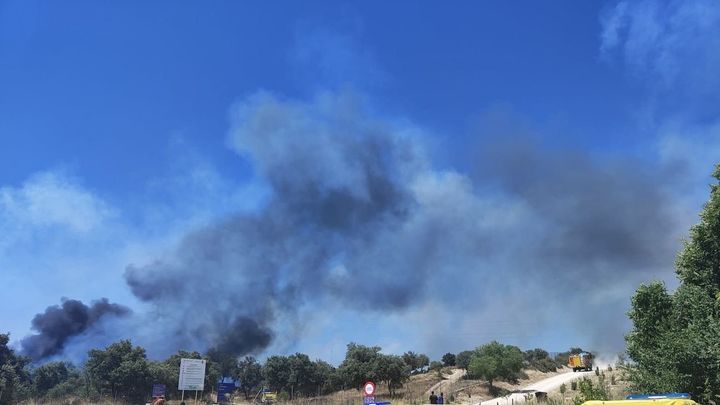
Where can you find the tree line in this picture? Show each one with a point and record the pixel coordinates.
(123, 372)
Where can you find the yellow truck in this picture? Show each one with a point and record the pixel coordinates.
(581, 361)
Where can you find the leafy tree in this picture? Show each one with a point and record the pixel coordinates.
(392, 370)
(359, 365)
(325, 377)
(225, 363)
(364, 363)
(56, 379)
(673, 343)
(13, 376)
(495, 360)
(249, 373)
(462, 359)
(9, 381)
(422, 361)
(302, 377)
(448, 359)
(415, 361)
(276, 373)
(120, 371)
(540, 360)
(164, 372)
(435, 365)
(483, 366)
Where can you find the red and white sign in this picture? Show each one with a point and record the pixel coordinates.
(369, 389)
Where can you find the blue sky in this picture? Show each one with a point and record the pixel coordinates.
(127, 126)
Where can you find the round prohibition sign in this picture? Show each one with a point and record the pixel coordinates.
(369, 389)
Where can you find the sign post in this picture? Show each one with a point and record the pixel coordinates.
(192, 376)
(368, 393)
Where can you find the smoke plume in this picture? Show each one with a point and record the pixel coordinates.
(58, 324)
(353, 198)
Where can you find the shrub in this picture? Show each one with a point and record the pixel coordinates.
(589, 392)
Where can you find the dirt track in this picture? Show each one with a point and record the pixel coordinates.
(443, 385)
(545, 385)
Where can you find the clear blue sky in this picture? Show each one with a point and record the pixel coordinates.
(119, 136)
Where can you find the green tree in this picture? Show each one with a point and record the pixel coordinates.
(297, 375)
(495, 360)
(249, 373)
(448, 359)
(422, 362)
(56, 379)
(226, 363)
(13, 375)
(391, 370)
(359, 365)
(462, 359)
(435, 365)
(673, 343)
(120, 371)
(163, 372)
(417, 362)
(540, 360)
(276, 373)
(302, 379)
(326, 377)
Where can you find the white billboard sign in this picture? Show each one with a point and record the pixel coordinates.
(192, 375)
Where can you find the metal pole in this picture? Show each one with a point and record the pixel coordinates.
(182, 398)
(195, 397)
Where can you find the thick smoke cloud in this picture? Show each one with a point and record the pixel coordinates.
(331, 195)
(355, 198)
(58, 324)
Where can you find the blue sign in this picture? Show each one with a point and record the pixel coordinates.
(224, 391)
(659, 396)
(371, 401)
(158, 390)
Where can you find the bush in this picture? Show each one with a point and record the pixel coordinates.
(590, 392)
(435, 365)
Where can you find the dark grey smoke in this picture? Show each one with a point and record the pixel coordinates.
(331, 194)
(354, 199)
(58, 324)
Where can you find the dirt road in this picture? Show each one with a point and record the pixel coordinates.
(546, 385)
(443, 385)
